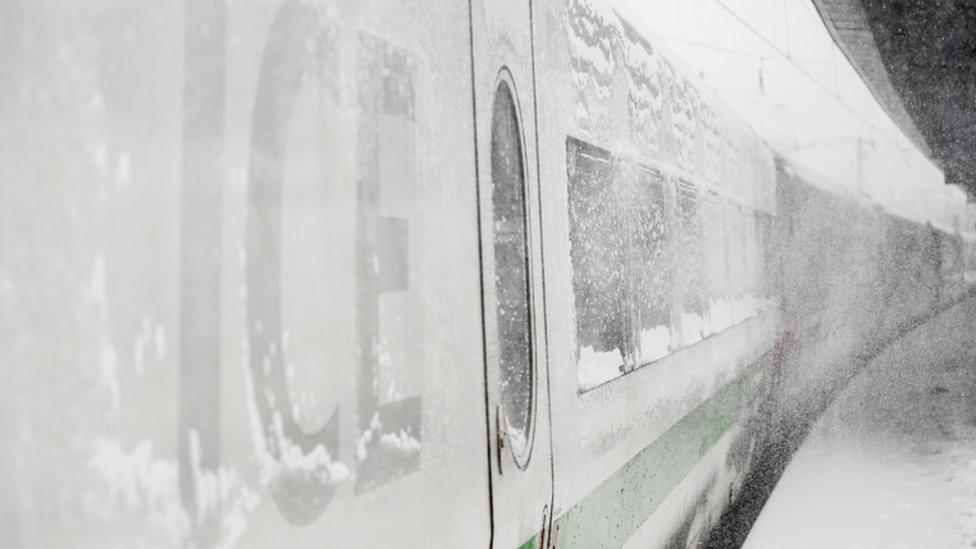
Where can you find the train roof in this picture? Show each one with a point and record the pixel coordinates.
(677, 123)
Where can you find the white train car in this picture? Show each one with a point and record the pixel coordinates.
(241, 281)
(657, 211)
(352, 400)
(316, 273)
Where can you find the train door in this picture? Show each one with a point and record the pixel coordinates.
(516, 366)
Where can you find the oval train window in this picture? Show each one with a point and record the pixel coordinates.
(512, 292)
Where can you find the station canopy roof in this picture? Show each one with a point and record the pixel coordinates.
(919, 60)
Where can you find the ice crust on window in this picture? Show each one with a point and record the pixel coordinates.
(598, 367)
(660, 261)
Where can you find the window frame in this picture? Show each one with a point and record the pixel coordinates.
(523, 458)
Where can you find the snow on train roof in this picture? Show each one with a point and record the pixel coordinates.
(815, 179)
(671, 120)
(710, 144)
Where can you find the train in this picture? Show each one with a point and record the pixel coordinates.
(320, 273)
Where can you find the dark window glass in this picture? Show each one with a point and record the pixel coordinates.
(648, 278)
(653, 266)
(690, 264)
(764, 232)
(622, 266)
(512, 310)
(599, 248)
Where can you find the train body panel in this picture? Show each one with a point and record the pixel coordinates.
(290, 341)
(366, 127)
(681, 309)
(515, 324)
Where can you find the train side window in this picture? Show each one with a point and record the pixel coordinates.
(621, 258)
(652, 266)
(764, 238)
(599, 247)
(689, 264)
(513, 313)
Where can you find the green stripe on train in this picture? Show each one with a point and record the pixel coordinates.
(613, 511)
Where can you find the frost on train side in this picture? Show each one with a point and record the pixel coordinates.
(666, 231)
(628, 93)
(335, 338)
(658, 264)
(592, 38)
(89, 308)
(599, 251)
(621, 263)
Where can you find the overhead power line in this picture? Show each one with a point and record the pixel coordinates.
(799, 67)
(732, 50)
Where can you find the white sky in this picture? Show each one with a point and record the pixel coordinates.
(815, 119)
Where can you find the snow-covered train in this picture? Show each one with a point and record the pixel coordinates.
(300, 273)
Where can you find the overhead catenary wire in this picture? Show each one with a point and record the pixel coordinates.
(781, 71)
(799, 67)
(730, 90)
(805, 4)
(786, 28)
(829, 142)
(829, 69)
(823, 74)
(834, 109)
(732, 51)
(774, 111)
(777, 115)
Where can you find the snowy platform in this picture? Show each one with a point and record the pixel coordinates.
(892, 463)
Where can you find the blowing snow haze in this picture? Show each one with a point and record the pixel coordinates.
(508, 273)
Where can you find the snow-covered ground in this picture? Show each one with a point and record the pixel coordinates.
(891, 464)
